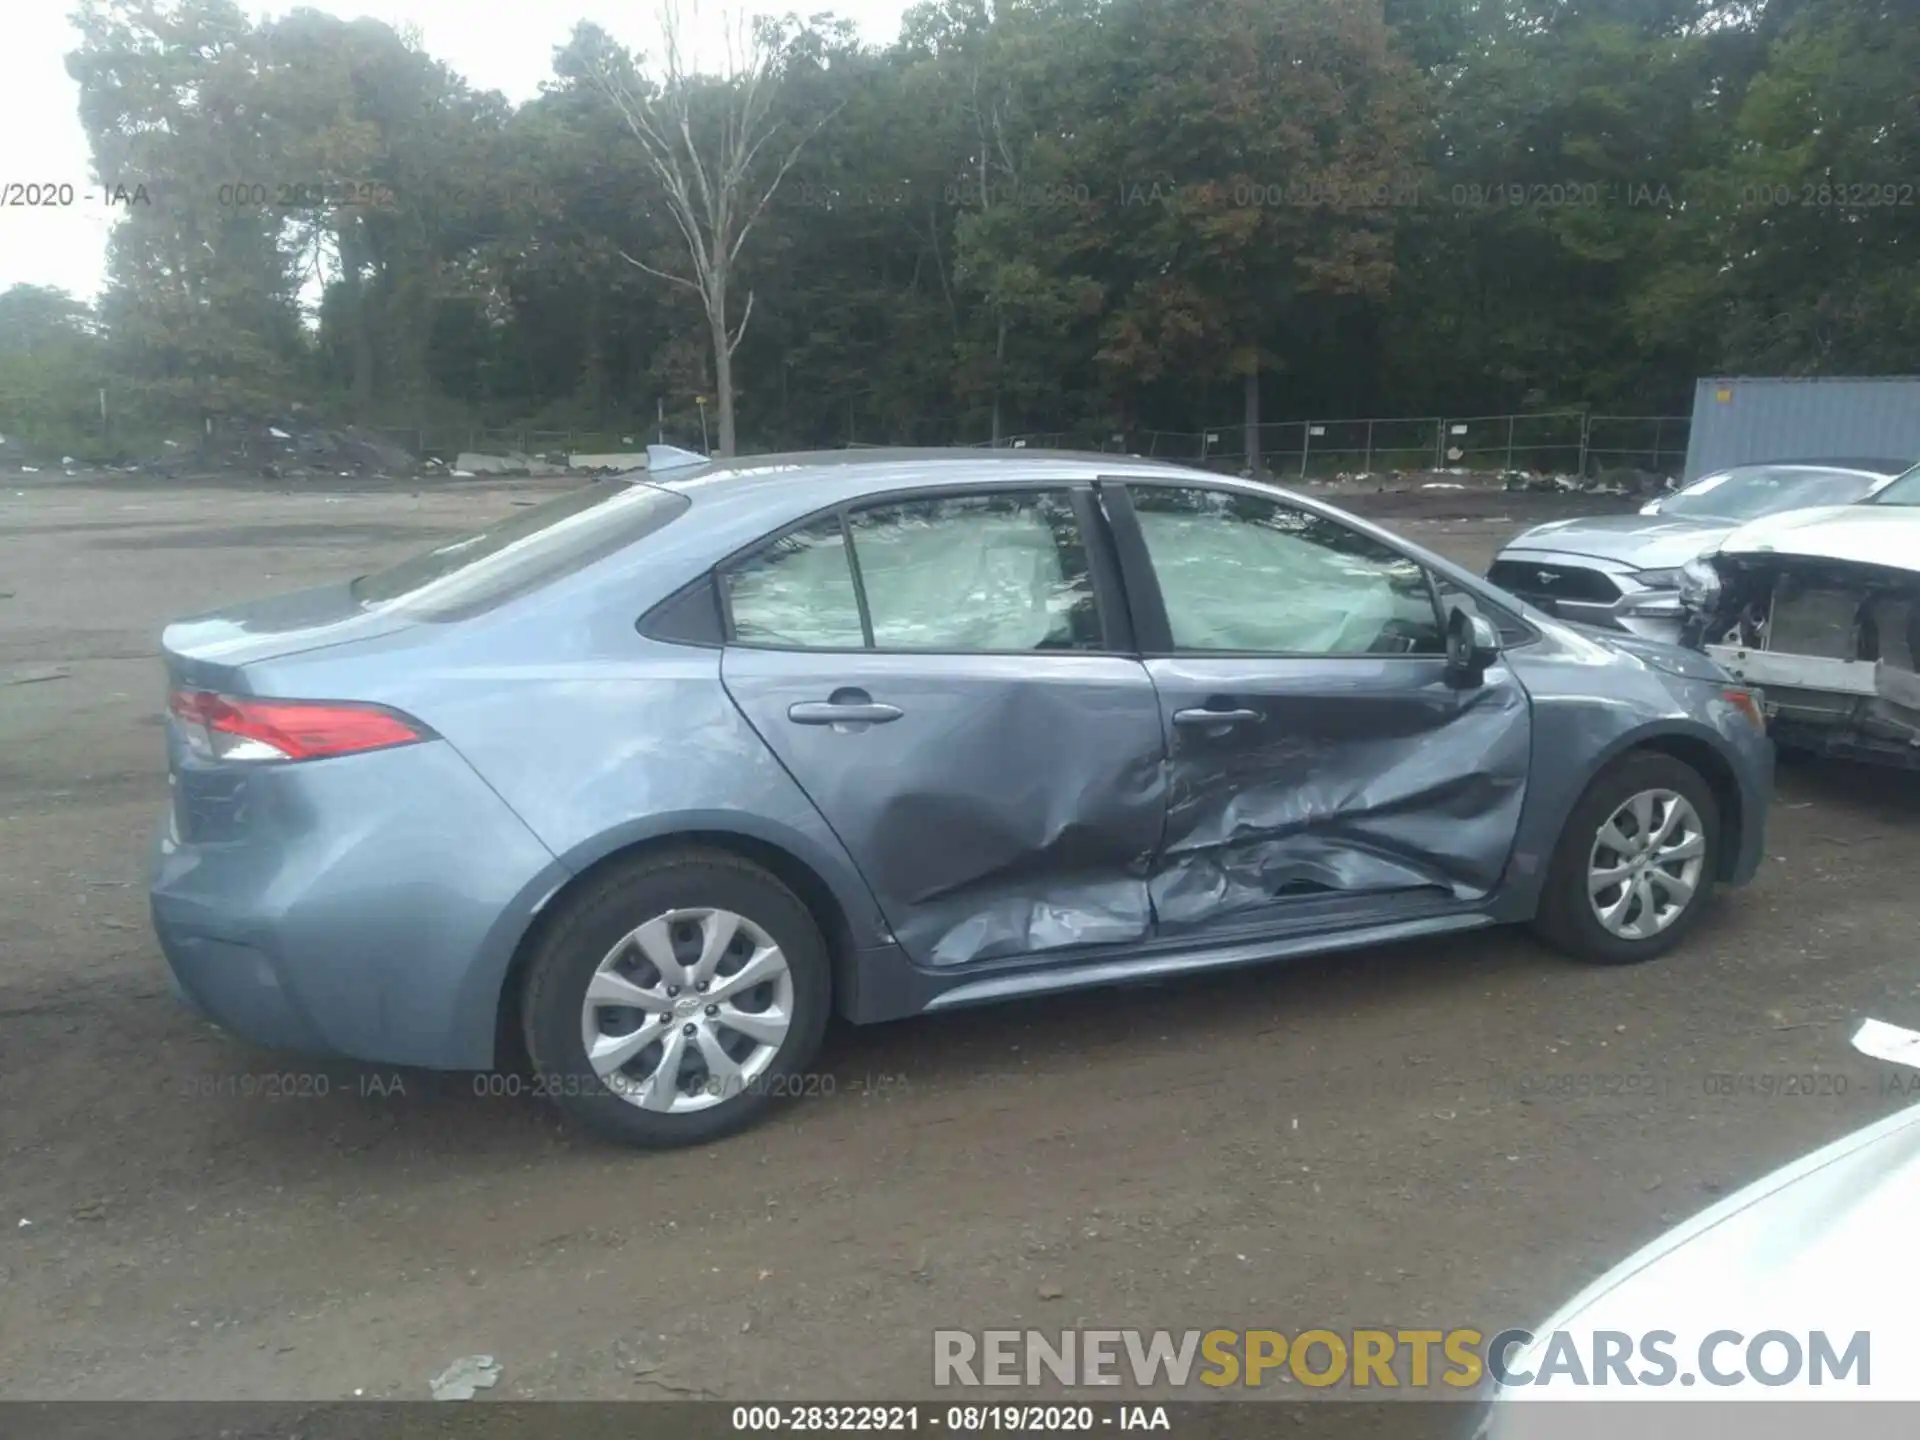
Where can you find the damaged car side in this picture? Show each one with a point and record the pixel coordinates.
(658, 775)
(1821, 611)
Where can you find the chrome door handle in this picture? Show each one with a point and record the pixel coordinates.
(826, 712)
(1215, 717)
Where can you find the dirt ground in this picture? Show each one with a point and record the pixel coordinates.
(1457, 1133)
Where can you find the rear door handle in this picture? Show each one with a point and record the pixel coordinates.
(1215, 717)
(827, 712)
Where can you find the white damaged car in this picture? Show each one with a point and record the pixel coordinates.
(1797, 1288)
(1820, 609)
(1622, 572)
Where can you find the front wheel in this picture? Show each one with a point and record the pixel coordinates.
(676, 999)
(1635, 863)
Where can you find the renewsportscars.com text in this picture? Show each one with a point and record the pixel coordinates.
(1723, 1358)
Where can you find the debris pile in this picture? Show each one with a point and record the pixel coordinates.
(284, 451)
(1455, 477)
(514, 462)
(1618, 481)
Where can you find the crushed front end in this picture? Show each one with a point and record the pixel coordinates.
(1832, 644)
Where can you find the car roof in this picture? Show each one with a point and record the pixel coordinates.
(748, 498)
(831, 474)
(1855, 464)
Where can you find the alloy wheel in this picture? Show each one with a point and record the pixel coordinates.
(687, 1011)
(1644, 868)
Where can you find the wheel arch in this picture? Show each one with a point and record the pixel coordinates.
(845, 920)
(1705, 760)
(1701, 751)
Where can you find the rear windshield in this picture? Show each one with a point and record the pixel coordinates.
(520, 553)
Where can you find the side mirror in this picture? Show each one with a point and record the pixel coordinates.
(1472, 647)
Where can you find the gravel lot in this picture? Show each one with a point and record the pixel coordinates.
(1445, 1134)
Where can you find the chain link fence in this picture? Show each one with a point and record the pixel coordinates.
(1557, 442)
(446, 441)
(1549, 442)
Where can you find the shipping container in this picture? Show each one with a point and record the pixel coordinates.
(1746, 420)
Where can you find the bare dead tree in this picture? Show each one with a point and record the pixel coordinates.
(715, 180)
(993, 152)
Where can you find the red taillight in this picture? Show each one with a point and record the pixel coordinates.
(239, 727)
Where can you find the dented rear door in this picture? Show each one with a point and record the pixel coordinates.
(960, 711)
(1320, 755)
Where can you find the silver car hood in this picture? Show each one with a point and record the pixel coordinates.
(1644, 542)
(1861, 534)
(1825, 1243)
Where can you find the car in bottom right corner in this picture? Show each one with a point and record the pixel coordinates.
(1799, 1287)
(1820, 609)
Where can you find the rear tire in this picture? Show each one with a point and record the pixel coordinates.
(701, 985)
(1635, 863)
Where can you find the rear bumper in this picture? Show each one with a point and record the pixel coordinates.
(236, 985)
(366, 906)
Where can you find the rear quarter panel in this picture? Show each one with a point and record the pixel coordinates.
(597, 737)
(360, 880)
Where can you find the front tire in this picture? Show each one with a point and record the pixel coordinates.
(676, 999)
(1635, 863)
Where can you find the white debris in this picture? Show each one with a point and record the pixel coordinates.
(1893, 1043)
(1442, 485)
(29, 469)
(278, 433)
(462, 474)
(174, 443)
(68, 460)
(25, 1223)
(464, 1376)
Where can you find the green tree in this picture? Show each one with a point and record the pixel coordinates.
(1800, 247)
(201, 299)
(52, 369)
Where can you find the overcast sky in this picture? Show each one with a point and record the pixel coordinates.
(504, 45)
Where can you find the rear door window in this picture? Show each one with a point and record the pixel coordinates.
(975, 573)
(797, 593)
(959, 574)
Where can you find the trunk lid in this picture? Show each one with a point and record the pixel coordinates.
(210, 651)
